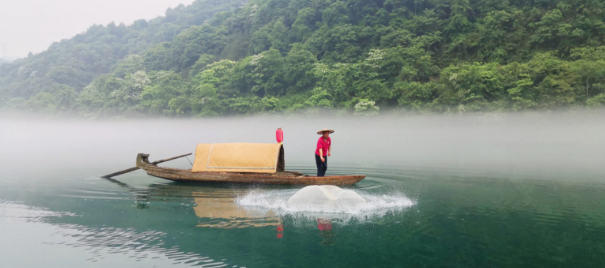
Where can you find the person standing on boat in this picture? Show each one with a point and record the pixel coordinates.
(323, 151)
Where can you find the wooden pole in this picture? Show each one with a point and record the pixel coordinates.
(135, 168)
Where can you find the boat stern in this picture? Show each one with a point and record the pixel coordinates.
(142, 160)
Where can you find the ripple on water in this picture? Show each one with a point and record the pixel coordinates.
(104, 241)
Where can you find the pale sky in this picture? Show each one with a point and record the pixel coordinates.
(33, 25)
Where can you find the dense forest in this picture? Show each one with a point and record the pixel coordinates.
(225, 57)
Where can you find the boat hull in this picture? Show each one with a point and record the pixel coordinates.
(285, 178)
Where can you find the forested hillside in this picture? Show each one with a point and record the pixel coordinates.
(229, 57)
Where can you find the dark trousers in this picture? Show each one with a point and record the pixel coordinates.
(321, 166)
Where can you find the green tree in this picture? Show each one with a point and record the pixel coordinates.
(589, 72)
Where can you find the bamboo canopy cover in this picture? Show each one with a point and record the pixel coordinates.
(239, 157)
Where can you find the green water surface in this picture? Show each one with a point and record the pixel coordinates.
(458, 219)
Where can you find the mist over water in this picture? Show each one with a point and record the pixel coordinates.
(537, 142)
(500, 190)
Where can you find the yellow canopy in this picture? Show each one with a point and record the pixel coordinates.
(239, 157)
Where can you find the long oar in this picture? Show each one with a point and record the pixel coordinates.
(135, 168)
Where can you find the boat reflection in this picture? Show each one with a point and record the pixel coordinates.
(217, 208)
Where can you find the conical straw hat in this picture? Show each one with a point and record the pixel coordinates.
(324, 130)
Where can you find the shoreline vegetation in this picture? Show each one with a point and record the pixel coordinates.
(481, 117)
(236, 57)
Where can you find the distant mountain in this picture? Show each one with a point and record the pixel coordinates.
(235, 57)
(71, 64)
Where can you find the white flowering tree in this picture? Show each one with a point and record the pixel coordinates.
(366, 107)
(136, 83)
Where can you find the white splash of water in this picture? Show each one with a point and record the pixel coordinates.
(326, 198)
(375, 206)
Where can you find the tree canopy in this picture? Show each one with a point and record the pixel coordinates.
(234, 57)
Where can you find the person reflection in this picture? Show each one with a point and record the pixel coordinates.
(325, 230)
(280, 228)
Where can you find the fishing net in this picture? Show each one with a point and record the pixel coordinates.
(325, 198)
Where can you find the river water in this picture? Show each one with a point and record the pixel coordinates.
(524, 190)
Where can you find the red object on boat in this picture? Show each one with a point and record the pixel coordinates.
(279, 135)
(280, 228)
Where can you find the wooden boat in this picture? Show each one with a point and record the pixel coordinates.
(212, 165)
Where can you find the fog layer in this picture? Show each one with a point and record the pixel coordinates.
(539, 142)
